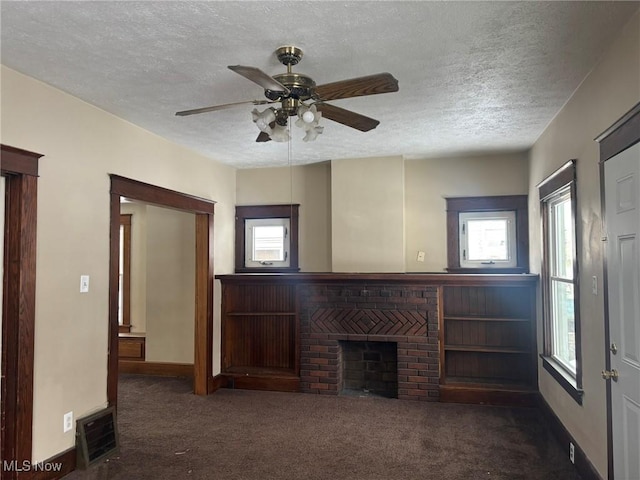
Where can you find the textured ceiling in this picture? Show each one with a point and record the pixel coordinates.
(475, 77)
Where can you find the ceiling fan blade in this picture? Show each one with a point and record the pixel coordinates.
(219, 107)
(258, 76)
(347, 117)
(263, 137)
(357, 87)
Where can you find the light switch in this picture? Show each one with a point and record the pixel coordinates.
(84, 283)
(420, 257)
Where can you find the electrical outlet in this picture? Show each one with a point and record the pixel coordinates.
(67, 422)
(572, 453)
(420, 257)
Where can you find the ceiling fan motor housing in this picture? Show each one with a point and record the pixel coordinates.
(301, 87)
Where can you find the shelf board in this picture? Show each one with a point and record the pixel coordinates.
(261, 314)
(261, 371)
(484, 349)
(484, 383)
(485, 319)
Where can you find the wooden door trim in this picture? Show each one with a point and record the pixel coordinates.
(204, 210)
(20, 168)
(624, 133)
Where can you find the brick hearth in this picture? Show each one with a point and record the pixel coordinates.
(406, 315)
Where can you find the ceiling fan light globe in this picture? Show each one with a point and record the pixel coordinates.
(308, 116)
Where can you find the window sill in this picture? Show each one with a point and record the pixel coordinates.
(513, 270)
(565, 380)
(267, 270)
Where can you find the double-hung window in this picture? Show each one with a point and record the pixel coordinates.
(561, 355)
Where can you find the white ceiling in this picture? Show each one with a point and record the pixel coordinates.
(475, 77)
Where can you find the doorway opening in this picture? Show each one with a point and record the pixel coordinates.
(203, 328)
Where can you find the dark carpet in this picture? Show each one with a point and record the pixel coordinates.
(168, 433)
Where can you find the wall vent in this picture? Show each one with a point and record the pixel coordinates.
(96, 437)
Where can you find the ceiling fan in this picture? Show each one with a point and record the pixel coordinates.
(297, 94)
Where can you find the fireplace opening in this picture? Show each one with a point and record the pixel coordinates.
(369, 369)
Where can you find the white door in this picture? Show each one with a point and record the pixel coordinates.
(622, 197)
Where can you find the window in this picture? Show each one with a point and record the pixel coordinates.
(124, 277)
(487, 239)
(267, 242)
(267, 238)
(488, 234)
(561, 357)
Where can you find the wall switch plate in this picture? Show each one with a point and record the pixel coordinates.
(84, 283)
(67, 422)
(572, 453)
(594, 285)
(420, 257)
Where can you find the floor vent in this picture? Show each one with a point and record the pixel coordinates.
(97, 437)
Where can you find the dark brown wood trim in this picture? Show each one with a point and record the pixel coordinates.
(203, 341)
(557, 180)
(376, 278)
(19, 289)
(256, 382)
(217, 382)
(16, 161)
(555, 371)
(487, 396)
(204, 303)
(162, 369)
(125, 224)
(456, 205)
(64, 463)
(160, 196)
(621, 135)
(560, 179)
(583, 465)
(244, 212)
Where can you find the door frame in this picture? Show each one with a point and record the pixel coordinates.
(623, 134)
(204, 210)
(20, 169)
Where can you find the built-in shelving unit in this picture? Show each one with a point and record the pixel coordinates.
(260, 338)
(488, 341)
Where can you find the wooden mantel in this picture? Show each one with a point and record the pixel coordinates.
(459, 337)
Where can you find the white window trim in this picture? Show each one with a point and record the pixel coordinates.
(248, 242)
(465, 217)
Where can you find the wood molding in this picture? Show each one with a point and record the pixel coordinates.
(161, 369)
(217, 382)
(155, 195)
(203, 209)
(621, 135)
(67, 461)
(518, 203)
(583, 465)
(19, 283)
(488, 396)
(16, 161)
(257, 382)
(245, 212)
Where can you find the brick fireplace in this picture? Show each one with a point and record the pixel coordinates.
(333, 315)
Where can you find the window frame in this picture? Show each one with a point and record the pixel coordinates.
(465, 217)
(249, 241)
(125, 226)
(561, 182)
(254, 212)
(498, 203)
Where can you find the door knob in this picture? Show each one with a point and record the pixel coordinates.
(613, 348)
(610, 375)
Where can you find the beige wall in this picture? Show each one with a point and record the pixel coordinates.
(367, 215)
(81, 146)
(429, 181)
(308, 185)
(611, 89)
(171, 270)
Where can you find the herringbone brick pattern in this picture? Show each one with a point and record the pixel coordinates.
(368, 322)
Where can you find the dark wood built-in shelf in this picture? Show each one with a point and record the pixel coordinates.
(478, 348)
